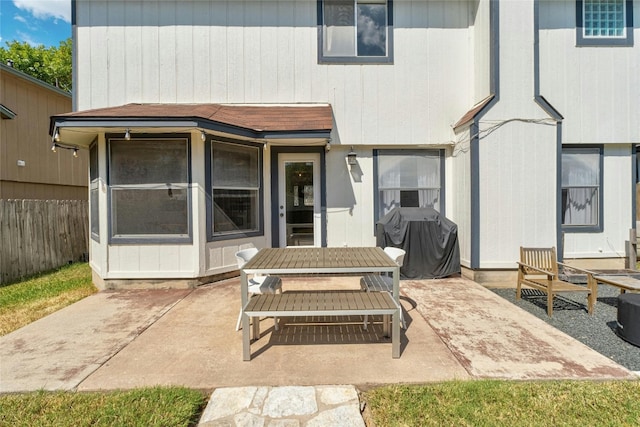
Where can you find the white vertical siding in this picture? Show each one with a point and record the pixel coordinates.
(266, 52)
(481, 50)
(596, 89)
(458, 193)
(350, 209)
(517, 148)
(517, 192)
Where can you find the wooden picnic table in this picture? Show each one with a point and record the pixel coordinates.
(355, 260)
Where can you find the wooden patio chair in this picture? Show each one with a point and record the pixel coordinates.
(538, 269)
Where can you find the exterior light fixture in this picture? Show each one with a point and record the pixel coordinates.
(75, 152)
(56, 135)
(127, 135)
(351, 158)
(203, 136)
(53, 147)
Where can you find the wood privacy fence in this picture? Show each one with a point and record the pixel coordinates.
(40, 235)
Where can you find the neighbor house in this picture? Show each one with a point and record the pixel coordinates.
(217, 125)
(27, 169)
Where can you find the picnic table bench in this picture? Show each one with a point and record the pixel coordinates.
(323, 303)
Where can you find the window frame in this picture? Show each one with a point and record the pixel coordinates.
(355, 59)
(408, 151)
(94, 185)
(211, 237)
(599, 227)
(150, 238)
(626, 40)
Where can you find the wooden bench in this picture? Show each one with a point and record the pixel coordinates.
(322, 303)
(538, 269)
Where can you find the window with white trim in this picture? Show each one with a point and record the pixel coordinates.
(408, 178)
(604, 22)
(581, 188)
(355, 31)
(235, 188)
(149, 189)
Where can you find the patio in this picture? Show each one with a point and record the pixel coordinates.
(456, 330)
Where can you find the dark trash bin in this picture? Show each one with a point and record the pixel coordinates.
(429, 239)
(629, 317)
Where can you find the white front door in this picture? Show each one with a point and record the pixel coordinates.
(299, 199)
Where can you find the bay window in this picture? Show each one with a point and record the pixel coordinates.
(235, 185)
(94, 186)
(149, 189)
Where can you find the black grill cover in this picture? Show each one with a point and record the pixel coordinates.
(430, 240)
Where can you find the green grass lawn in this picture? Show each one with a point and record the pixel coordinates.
(31, 299)
(507, 403)
(166, 406)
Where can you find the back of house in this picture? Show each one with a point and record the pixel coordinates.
(218, 125)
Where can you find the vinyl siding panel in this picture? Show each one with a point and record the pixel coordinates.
(266, 52)
(596, 89)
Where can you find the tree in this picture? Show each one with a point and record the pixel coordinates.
(51, 65)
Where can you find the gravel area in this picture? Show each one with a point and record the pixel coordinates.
(597, 331)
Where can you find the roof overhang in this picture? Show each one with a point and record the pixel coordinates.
(472, 113)
(293, 124)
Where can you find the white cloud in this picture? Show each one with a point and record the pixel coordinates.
(28, 38)
(46, 9)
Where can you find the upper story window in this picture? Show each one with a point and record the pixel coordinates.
(355, 31)
(604, 22)
(582, 189)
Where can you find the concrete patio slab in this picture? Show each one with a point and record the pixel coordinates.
(496, 340)
(123, 339)
(61, 350)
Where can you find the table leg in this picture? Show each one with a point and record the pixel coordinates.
(246, 337)
(256, 328)
(385, 325)
(395, 335)
(246, 334)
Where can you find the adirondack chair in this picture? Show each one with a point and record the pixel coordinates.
(538, 269)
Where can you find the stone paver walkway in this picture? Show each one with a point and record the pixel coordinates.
(309, 406)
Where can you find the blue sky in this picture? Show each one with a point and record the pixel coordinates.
(36, 22)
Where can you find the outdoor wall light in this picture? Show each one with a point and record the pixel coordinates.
(351, 158)
(203, 136)
(56, 145)
(56, 135)
(127, 134)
